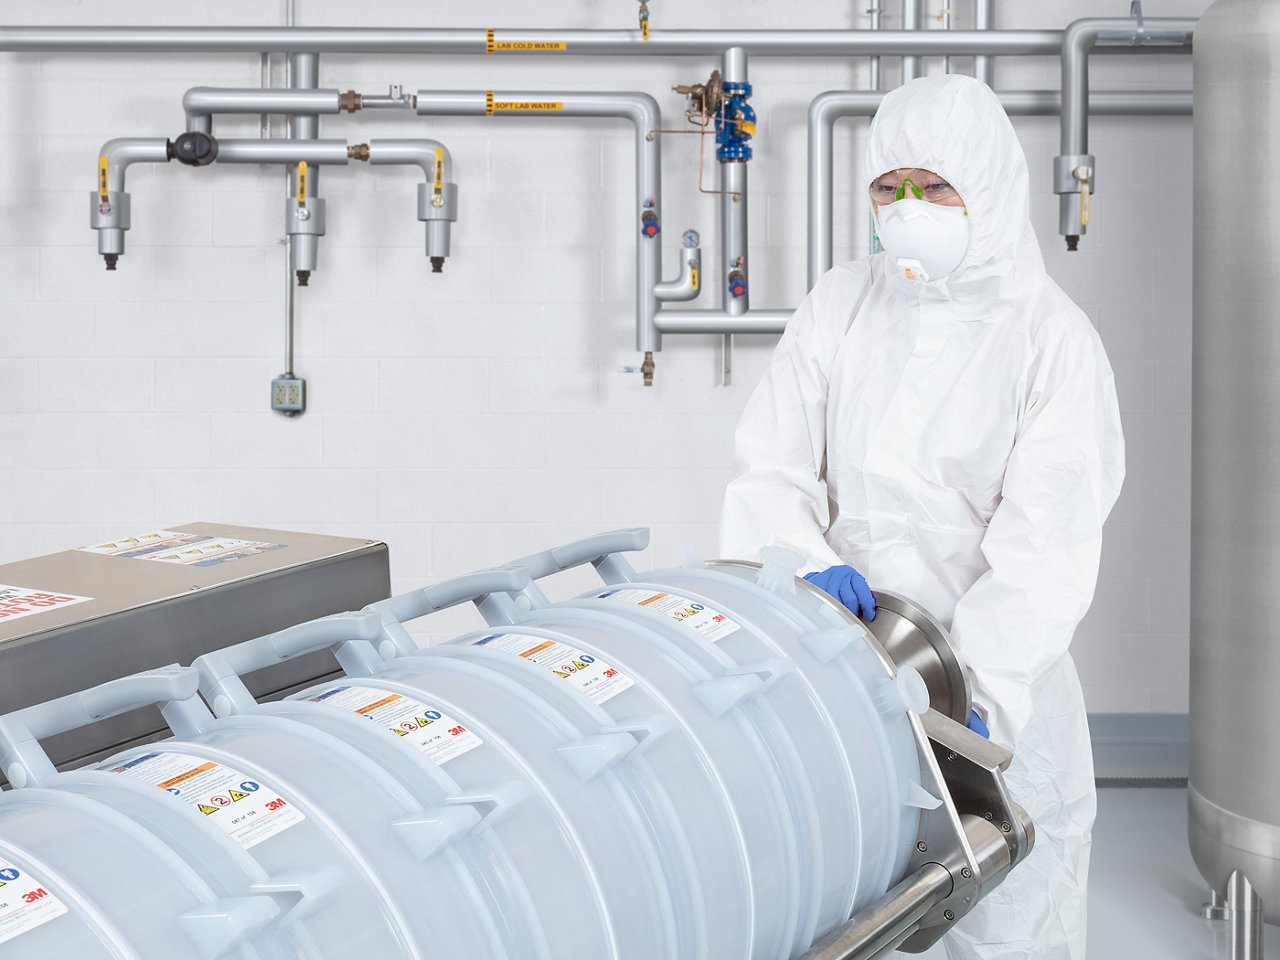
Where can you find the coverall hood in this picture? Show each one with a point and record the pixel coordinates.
(956, 127)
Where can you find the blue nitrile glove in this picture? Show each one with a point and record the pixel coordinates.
(848, 586)
(976, 725)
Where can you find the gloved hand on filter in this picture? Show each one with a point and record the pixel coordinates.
(977, 725)
(849, 587)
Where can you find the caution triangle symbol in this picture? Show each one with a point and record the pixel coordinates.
(206, 809)
(237, 795)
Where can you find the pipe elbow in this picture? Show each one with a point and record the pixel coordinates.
(643, 111)
(1080, 35)
(123, 152)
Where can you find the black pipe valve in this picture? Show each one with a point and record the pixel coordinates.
(194, 149)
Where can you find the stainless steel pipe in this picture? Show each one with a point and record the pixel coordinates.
(643, 112)
(665, 43)
(319, 152)
(717, 321)
(1073, 168)
(911, 13)
(201, 103)
(983, 18)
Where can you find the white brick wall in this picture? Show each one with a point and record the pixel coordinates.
(480, 414)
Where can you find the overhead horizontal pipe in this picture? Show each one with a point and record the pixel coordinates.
(780, 43)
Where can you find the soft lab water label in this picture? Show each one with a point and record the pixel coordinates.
(431, 732)
(25, 902)
(707, 623)
(247, 809)
(597, 679)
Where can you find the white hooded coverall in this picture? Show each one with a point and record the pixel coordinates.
(958, 442)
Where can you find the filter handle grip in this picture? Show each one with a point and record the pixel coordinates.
(220, 671)
(105, 700)
(601, 550)
(25, 761)
(469, 588)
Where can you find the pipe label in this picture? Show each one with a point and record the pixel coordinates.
(707, 623)
(418, 727)
(102, 177)
(247, 810)
(492, 106)
(302, 182)
(439, 170)
(492, 45)
(598, 680)
(24, 902)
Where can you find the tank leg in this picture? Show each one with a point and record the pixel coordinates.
(1246, 918)
(1216, 908)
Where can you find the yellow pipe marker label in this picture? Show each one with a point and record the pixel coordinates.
(644, 29)
(302, 181)
(102, 177)
(522, 46)
(693, 275)
(439, 169)
(492, 106)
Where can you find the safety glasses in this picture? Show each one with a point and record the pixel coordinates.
(913, 184)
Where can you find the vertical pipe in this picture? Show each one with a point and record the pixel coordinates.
(946, 25)
(305, 75)
(876, 9)
(984, 19)
(733, 230)
(264, 121)
(648, 152)
(821, 190)
(733, 203)
(911, 10)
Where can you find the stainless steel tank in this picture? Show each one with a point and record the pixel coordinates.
(1234, 791)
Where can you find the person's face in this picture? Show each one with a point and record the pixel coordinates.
(912, 183)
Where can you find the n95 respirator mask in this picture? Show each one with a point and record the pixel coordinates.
(925, 241)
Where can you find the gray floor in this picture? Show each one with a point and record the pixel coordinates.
(1144, 891)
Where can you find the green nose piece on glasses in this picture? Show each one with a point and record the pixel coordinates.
(918, 192)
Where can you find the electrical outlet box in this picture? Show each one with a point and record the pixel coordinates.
(289, 395)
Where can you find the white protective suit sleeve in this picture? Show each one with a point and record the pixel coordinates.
(1044, 541)
(780, 497)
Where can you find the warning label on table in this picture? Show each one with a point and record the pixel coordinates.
(432, 732)
(19, 602)
(708, 623)
(24, 902)
(183, 549)
(247, 809)
(597, 679)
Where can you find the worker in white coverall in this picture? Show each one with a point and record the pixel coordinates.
(941, 418)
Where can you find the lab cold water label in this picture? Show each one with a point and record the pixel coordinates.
(25, 903)
(708, 623)
(433, 733)
(245, 808)
(597, 679)
(18, 602)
